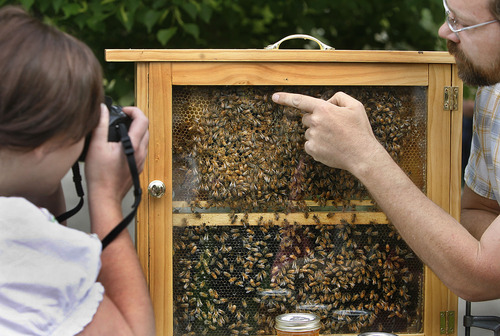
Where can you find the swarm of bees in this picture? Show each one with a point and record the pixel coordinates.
(238, 279)
(236, 151)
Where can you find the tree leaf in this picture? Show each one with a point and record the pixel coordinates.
(27, 3)
(164, 35)
(150, 18)
(127, 18)
(192, 29)
(56, 4)
(205, 12)
(191, 9)
(71, 10)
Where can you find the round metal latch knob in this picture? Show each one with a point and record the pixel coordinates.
(156, 188)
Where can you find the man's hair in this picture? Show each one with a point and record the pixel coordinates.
(50, 83)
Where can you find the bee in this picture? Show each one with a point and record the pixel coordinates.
(362, 294)
(232, 308)
(193, 249)
(260, 220)
(297, 250)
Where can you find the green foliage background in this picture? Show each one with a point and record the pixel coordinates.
(237, 24)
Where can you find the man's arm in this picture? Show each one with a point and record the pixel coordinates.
(477, 212)
(469, 267)
(339, 135)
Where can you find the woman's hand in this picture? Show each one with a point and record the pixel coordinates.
(106, 168)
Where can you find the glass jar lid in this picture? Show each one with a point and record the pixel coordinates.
(297, 322)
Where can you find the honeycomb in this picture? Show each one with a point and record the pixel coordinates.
(235, 280)
(233, 147)
(281, 242)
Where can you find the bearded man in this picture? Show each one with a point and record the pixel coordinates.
(339, 135)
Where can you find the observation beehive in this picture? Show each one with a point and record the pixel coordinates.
(252, 227)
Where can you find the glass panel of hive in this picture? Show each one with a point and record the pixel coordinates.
(261, 229)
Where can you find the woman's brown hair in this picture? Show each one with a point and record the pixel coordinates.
(50, 83)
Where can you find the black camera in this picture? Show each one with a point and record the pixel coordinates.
(119, 124)
(116, 118)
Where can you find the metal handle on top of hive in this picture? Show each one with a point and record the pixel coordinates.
(322, 45)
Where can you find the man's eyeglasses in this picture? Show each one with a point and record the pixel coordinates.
(455, 26)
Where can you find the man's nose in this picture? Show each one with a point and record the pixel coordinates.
(446, 33)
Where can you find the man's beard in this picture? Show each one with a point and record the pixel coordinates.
(469, 72)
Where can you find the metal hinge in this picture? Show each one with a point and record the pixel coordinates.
(450, 98)
(447, 323)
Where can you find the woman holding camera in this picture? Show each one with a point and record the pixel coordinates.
(55, 280)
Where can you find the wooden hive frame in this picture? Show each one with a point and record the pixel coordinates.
(158, 70)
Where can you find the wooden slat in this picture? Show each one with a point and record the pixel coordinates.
(239, 73)
(142, 218)
(438, 184)
(438, 138)
(160, 210)
(358, 334)
(434, 304)
(456, 175)
(456, 151)
(257, 55)
(309, 203)
(259, 218)
(414, 334)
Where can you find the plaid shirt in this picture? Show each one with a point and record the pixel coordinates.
(482, 174)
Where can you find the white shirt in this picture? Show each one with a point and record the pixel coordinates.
(48, 273)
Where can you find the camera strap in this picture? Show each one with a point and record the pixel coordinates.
(77, 179)
(129, 153)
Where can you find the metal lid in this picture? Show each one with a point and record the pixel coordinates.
(352, 314)
(297, 322)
